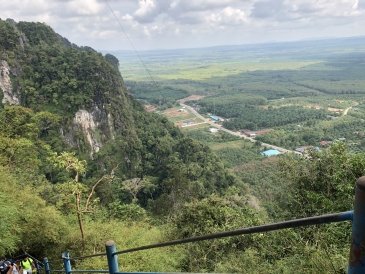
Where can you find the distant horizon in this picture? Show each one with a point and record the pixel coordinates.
(314, 39)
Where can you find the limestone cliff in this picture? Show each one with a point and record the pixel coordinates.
(9, 96)
(41, 70)
(93, 126)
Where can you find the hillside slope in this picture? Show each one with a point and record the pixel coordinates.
(70, 128)
(43, 71)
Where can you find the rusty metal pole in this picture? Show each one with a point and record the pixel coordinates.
(357, 250)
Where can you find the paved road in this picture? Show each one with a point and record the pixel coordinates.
(235, 133)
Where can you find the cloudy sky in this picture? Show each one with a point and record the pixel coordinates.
(156, 24)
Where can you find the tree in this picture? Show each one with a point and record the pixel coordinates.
(8, 229)
(134, 186)
(210, 215)
(325, 181)
(77, 190)
(26, 221)
(112, 60)
(320, 184)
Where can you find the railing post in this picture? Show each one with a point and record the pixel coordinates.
(112, 258)
(47, 269)
(66, 262)
(357, 250)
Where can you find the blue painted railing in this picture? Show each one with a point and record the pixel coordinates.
(357, 249)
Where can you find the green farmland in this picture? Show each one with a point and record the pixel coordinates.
(304, 92)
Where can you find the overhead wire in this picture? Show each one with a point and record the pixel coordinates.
(131, 43)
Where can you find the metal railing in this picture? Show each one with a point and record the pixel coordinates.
(357, 249)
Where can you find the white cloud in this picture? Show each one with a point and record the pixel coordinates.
(190, 23)
(146, 7)
(202, 5)
(178, 10)
(148, 10)
(330, 8)
(127, 17)
(153, 30)
(283, 10)
(85, 7)
(227, 16)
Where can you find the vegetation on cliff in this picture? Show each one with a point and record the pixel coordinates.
(143, 166)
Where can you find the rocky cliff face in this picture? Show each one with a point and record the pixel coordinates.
(6, 87)
(95, 126)
(86, 121)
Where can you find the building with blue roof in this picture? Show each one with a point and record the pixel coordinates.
(214, 118)
(270, 152)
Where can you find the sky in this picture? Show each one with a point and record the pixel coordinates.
(166, 24)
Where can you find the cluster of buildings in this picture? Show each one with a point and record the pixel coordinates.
(303, 150)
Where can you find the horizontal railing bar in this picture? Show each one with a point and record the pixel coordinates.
(89, 271)
(322, 219)
(155, 273)
(83, 271)
(88, 256)
(141, 273)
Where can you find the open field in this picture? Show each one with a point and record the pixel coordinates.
(197, 127)
(230, 68)
(232, 150)
(182, 117)
(305, 92)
